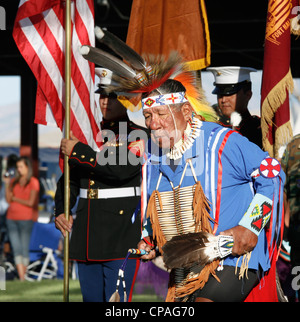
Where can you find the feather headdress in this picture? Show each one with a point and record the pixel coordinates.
(202, 248)
(145, 74)
(102, 58)
(120, 48)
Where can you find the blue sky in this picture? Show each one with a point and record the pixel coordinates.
(9, 90)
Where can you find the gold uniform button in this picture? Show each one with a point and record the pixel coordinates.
(121, 212)
(74, 153)
(83, 156)
(92, 182)
(92, 159)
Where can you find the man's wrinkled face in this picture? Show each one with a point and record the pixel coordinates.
(161, 123)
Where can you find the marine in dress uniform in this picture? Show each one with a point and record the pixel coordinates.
(233, 89)
(107, 220)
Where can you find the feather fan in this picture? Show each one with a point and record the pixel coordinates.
(120, 48)
(102, 58)
(158, 71)
(146, 73)
(202, 247)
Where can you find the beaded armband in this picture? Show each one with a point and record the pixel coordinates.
(258, 214)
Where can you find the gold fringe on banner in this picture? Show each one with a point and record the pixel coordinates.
(270, 105)
(283, 135)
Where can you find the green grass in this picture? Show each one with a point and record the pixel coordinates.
(43, 291)
(52, 291)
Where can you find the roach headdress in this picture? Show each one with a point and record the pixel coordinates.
(136, 75)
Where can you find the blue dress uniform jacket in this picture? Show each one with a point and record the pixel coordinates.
(108, 186)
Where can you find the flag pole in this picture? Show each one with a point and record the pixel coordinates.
(67, 136)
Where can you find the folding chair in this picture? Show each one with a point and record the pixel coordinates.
(45, 260)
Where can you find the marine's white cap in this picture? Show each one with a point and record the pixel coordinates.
(104, 74)
(105, 79)
(228, 79)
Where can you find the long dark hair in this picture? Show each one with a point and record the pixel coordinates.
(27, 162)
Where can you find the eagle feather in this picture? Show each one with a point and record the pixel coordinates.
(202, 248)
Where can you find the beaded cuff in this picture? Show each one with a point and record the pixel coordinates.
(258, 214)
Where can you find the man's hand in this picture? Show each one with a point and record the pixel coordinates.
(244, 240)
(67, 145)
(62, 224)
(145, 246)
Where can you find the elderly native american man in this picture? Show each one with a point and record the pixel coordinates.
(201, 177)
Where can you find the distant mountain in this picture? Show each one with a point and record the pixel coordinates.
(10, 129)
(10, 125)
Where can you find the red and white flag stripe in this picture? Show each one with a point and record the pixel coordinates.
(40, 36)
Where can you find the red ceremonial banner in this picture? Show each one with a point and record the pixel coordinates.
(277, 79)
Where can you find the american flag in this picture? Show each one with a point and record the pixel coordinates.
(40, 36)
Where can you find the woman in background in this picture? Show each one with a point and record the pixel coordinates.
(22, 194)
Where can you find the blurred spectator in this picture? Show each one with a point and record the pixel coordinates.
(3, 208)
(22, 194)
(7, 167)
